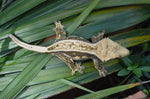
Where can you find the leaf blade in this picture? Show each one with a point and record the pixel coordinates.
(24, 77)
(109, 91)
(81, 17)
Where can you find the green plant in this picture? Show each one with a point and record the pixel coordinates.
(32, 21)
(131, 68)
(137, 65)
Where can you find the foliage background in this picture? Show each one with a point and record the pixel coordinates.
(26, 74)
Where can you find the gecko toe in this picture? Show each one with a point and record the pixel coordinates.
(79, 68)
(73, 72)
(102, 73)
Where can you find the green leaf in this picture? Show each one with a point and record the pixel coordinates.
(34, 31)
(112, 23)
(109, 91)
(32, 96)
(145, 68)
(24, 77)
(78, 86)
(36, 24)
(130, 68)
(127, 62)
(20, 7)
(123, 72)
(137, 72)
(81, 17)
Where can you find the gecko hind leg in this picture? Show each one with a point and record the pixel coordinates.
(60, 32)
(99, 37)
(99, 67)
(78, 68)
(69, 61)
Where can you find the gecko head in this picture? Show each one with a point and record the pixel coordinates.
(108, 49)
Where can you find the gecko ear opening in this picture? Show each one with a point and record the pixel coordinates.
(28, 46)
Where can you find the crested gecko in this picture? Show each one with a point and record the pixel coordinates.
(73, 48)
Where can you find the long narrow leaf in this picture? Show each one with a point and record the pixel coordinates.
(81, 17)
(110, 91)
(24, 77)
(78, 86)
(23, 6)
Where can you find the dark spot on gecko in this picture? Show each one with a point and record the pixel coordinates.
(50, 48)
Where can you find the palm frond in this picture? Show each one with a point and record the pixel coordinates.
(32, 21)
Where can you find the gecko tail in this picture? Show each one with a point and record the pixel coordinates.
(28, 46)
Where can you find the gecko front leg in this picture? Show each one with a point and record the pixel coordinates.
(97, 62)
(60, 32)
(69, 61)
(99, 67)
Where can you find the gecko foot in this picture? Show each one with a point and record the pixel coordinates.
(102, 72)
(78, 68)
(98, 37)
(58, 26)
